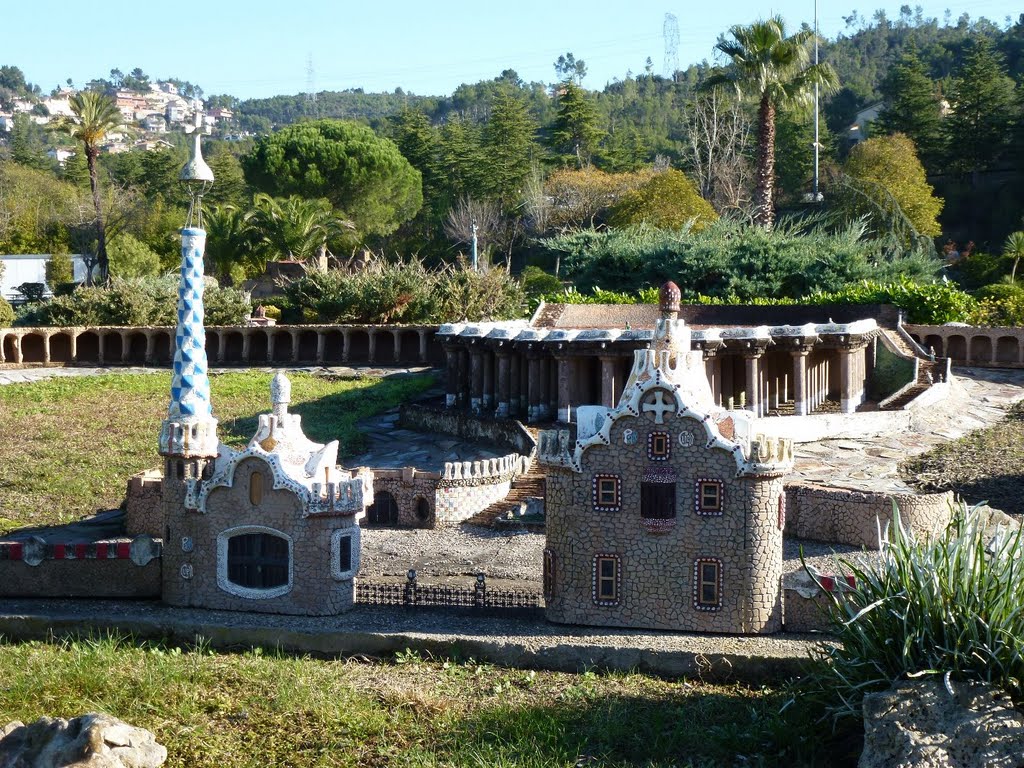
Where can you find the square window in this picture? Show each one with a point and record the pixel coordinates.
(659, 446)
(607, 580)
(708, 497)
(658, 501)
(607, 492)
(707, 584)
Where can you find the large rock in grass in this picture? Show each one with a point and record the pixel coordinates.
(920, 724)
(90, 741)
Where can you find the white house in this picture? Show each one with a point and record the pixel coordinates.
(31, 268)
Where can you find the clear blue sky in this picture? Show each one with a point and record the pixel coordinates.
(262, 48)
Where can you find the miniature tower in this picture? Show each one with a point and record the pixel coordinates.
(188, 435)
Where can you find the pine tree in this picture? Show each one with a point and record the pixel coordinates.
(983, 107)
(509, 148)
(912, 107)
(575, 134)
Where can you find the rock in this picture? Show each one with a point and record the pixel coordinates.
(94, 740)
(920, 724)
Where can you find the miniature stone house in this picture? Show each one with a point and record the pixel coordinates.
(665, 512)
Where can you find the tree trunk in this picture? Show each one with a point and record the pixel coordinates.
(91, 153)
(764, 203)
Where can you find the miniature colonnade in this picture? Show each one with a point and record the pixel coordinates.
(224, 344)
(513, 369)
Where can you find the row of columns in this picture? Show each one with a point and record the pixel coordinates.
(537, 386)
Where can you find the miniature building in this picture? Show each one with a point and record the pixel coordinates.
(666, 512)
(272, 528)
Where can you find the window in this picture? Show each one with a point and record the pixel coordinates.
(383, 511)
(707, 584)
(708, 497)
(658, 501)
(254, 562)
(659, 446)
(345, 553)
(607, 581)
(549, 574)
(607, 493)
(256, 488)
(422, 510)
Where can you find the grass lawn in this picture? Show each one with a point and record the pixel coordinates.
(256, 709)
(985, 465)
(69, 445)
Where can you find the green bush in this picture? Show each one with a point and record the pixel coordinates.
(6, 313)
(668, 200)
(944, 605)
(59, 270)
(537, 282)
(999, 304)
(134, 302)
(729, 258)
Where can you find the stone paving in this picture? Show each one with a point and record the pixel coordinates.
(979, 398)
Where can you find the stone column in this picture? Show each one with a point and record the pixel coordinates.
(503, 384)
(271, 339)
(476, 380)
(46, 347)
(346, 343)
(371, 345)
(551, 384)
(800, 399)
(398, 344)
(451, 390)
(423, 345)
(72, 348)
(321, 346)
(851, 382)
(246, 345)
(608, 381)
(566, 369)
(515, 381)
(126, 345)
(753, 382)
(533, 388)
(487, 402)
(728, 386)
(19, 358)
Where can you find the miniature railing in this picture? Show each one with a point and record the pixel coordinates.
(479, 597)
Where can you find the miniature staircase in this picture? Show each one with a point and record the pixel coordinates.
(526, 486)
(925, 378)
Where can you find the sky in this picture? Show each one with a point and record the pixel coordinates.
(262, 48)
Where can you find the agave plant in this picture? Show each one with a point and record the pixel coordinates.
(952, 604)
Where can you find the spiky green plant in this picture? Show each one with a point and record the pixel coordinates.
(948, 604)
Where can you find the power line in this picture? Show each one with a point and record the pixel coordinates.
(670, 31)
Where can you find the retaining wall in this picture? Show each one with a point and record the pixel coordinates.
(996, 347)
(225, 345)
(468, 426)
(843, 516)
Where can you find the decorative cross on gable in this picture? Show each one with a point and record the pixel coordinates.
(659, 407)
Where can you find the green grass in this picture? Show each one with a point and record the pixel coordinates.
(69, 445)
(985, 465)
(260, 709)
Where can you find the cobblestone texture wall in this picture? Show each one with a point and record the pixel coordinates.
(143, 507)
(409, 486)
(191, 558)
(455, 503)
(840, 516)
(806, 614)
(80, 578)
(658, 582)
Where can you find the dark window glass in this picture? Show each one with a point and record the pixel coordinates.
(658, 500)
(345, 554)
(383, 511)
(258, 560)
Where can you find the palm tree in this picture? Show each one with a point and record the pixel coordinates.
(96, 115)
(295, 226)
(1014, 247)
(776, 70)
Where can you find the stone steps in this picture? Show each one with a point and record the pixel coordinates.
(529, 485)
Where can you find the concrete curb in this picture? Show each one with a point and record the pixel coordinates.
(531, 645)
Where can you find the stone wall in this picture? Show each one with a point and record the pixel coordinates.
(409, 486)
(841, 516)
(468, 426)
(142, 504)
(225, 345)
(119, 569)
(997, 347)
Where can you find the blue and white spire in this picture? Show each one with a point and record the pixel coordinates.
(190, 429)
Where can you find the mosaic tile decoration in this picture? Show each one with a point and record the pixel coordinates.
(190, 382)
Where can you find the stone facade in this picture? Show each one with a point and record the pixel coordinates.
(665, 512)
(842, 516)
(143, 508)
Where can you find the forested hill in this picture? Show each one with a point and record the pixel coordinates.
(648, 104)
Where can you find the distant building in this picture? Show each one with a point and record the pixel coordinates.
(858, 130)
(31, 268)
(6, 122)
(155, 122)
(60, 154)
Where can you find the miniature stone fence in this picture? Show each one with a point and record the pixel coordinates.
(468, 426)
(996, 347)
(225, 345)
(98, 569)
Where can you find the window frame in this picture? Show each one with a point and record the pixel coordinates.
(596, 493)
(251, 593)
(354, 534)
(699, 498)
(648, 488)
(597, 578)
(699, 582)
(654, 436)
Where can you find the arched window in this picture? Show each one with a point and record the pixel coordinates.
(383, 511)
(256, 488)
(254, 561)
(422, 510)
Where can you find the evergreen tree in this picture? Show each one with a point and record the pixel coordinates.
(420, 144)
(509, 148)
(912, 107)
(983, 107)
(575, 134)
(462, 159)
(27, 144)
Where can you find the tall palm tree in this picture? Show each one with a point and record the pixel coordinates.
(776, 70)
(295, 226)
(96, 115)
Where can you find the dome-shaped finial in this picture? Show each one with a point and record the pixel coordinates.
(196, 176)
(668, 297)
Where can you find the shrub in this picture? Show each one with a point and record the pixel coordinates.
(668, 200)
(130, 257)
(537, 282)
(999, 304)
(6, 313)
(944, 605)
(59, 270)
